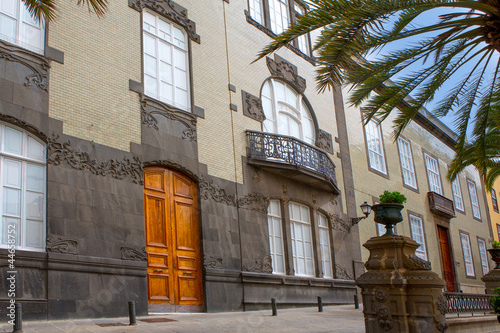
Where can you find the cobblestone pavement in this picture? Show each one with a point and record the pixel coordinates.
(343, 318)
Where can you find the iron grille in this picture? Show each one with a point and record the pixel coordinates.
(289, 150)
(467, 303)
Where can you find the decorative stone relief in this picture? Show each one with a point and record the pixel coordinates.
(341, 273)
(258, 174)
(263, 265)
(60, 245)
(442, 326)
(171, 10)
(338, 224)
(442, 304)
(23, 125)
(325, 141)
(209, 190)
(40, 77)
(150, 108)
(415, 263)
(384, 319)
(285, 70)
(58, 152)
(129, 253)
(212, 262)
(256, 201)
(252, 107)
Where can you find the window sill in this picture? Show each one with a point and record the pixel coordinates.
(271, 34)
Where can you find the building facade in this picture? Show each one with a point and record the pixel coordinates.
(450, 221)
(145, 157)
(493, 209)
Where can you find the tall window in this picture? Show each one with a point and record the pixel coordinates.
(278, 10)
(286, 111)
(473, 199)
(275, 236)
(302, 41)
(498, 231)
(17, 26)
(417, 233)
(494, 200)
(433, 174)
(324, 242)
(376, 155)
(406, 159)
(484, 258)
(469, 265)
(457, 195)
(300, 227)
(256, 11)
(166, 74)
(22, 166)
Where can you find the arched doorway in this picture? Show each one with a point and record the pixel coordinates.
(172, 241)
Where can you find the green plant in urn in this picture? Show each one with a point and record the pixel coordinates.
(388, 211)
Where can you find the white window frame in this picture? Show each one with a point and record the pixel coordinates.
(375, 146)
(25, 25)
(179, 62)
(302, 223)
(256, 10)
(302, 41)
(484, 257)
(23, 158)
(467, 253)
(325, 247)
(276, 236)
(433, 175)
(457, 195)
(418, 235)
(279, 15)
(406, 161)
(494, 201)
(292, 107)
(474, 200)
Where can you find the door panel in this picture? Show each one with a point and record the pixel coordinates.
(447, 263)
(172, 238)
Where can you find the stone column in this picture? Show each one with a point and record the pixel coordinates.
(491, 280)
(400, 292)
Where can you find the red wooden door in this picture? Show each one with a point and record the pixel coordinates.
(172, 238)
(444, 246)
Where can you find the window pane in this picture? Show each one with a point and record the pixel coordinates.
(180, 59)
(11, 226)
(165, 72)
(165, 30)
(180, 79)
(8, 28)
(151, 86)
(35, 149)
(149, 45)
(9, 7)
(179, 38)
(34, 234)
(181, 97)
(35, 177)
(12, 202)
(150, 65)
(166, 92)
(149, 21)
(34, 205)
(165, 53)
(12, 173)
(13, 141)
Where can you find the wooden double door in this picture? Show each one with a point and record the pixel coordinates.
(444, 246)
(172, 241)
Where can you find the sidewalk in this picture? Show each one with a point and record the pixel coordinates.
(342, 318)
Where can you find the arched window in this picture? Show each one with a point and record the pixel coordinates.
(22, 196)
(286, 111)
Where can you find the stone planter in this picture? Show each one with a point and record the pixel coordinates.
(495, 256)
(388, 214)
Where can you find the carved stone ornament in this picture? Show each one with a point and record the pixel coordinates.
(255, 201)
(252, 107)
(341, 273)
(325, 141)
(384, 318)
(338, 224)
(285, 70)
(212, 262)
(381, 295)
(209, 190)
(58, 152)
(415, 263)
(442, 304)
(263, 265)
(34, 62)
(170, 10)
(129, 253)
(60, 245)
(442, 326)
(14, 121)
(150, 108)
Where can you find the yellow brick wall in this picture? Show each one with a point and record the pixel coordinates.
(89, 92)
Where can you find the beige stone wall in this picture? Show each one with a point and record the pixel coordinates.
(494, 215)
(368, 185)
(89, 92)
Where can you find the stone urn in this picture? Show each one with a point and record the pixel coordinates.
(495, 256)
(388, 214)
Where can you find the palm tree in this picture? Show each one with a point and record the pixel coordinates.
(46, 9)
(459, 50)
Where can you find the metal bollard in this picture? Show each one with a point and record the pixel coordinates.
(18, 322)
(320, 304)
(131, 313)
(273, 305)
(356, 302)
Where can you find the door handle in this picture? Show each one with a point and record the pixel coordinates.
(157, 270)
(187, 273)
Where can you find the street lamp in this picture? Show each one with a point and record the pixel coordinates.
(366, 209)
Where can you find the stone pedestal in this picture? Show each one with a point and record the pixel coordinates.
(491, 280)
(400, 292)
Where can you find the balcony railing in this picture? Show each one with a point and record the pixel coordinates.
(467, 303)
(441, 205)
(290, 151)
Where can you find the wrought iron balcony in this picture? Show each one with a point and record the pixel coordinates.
(292, 158)
(441, 205)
